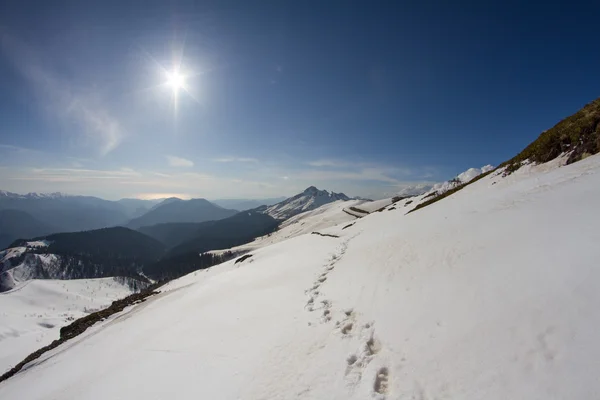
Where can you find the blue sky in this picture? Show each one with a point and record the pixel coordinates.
(360, 97)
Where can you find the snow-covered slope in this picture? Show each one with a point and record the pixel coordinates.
(337, 213)
(17, 265)
(32, 315)
(101, 253)
(326, 216)
(310, 199)
(491, 293)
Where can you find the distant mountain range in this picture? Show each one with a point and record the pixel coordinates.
(229, 232)
(177, 210)
(128, 253)
(92, 254)
(15, 224)
(246, 204)
(170, 240)
(35, 214)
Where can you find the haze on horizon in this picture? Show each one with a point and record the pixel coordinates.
(257, 99)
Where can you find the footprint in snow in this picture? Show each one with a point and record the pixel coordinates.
(347, 328)
(380, 385)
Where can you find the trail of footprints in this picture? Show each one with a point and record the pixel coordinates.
(348, 327)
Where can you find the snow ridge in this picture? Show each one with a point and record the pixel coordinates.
(460, 179)
(32, 195)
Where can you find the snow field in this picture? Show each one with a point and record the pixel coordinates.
(490, 293)
(32, 314)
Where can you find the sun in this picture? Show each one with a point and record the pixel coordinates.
(175, 81)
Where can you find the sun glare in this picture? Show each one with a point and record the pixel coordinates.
(175, 80)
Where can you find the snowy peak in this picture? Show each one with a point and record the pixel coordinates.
(472, 173)
(310, 190)
(313, 191)
(309, 199)
(11, 195)
(462, 178)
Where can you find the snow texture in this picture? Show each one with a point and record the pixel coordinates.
(17, 267)
(491, 293)
(32, 314)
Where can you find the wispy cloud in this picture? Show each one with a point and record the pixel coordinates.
(74, 174)
(179, 162)
(78, 162)
(236, 159)
(363, 174)
(10, 147)
(353, 169)
(19, 149)
(127, 182)
(328, 163)
(100, 127)
(161, 174)
(341, 170)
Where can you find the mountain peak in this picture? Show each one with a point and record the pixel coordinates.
(309, 199)
(310, 190)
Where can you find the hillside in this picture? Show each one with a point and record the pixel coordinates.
(173, 233)
(177, 210)
(15, 224)
(246, 204)
(210, 235)
(108, 252)
(226, 233)
(578, 135)
(118, 242)
(474, 296)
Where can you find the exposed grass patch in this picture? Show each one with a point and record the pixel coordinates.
(325, 234)
(396, 199)
(578, 135)
(358, 210)
(242, 258)
(349, 213)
